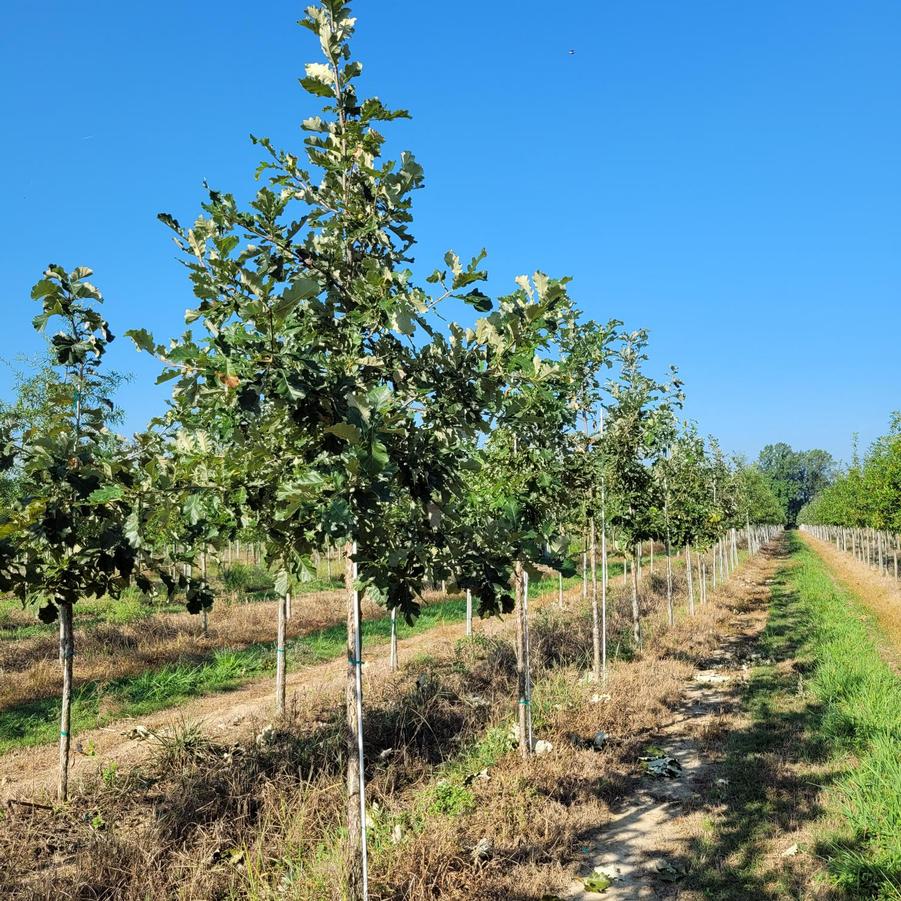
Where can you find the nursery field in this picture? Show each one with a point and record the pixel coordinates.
(772, 713)
(405, 588)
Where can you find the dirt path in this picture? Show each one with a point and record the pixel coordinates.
(651, 832)
(881, 595)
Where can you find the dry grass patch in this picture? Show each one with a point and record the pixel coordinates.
(455, 812)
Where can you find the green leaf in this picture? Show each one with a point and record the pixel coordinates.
(43, 288)
(345, 431)
(133, 530)
(105, 495)
(143, 339)
(478, 300)
(302, 288)
(193, 509)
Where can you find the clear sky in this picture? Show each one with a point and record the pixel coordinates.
(727, 175)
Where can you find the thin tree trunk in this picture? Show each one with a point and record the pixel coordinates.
(468, 612)
(280, 655)
(357, 877)
(66, 653)
(691, 587)
(585, 571)
(522, 677)
(393, 661)
(636, 611)
(204, 612)
(669, 585)
(560, 589)
(604, 575)
(595, 613)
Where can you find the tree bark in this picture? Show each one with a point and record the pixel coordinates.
(280, 655)
(604, 575)
(66, 653)
(636, 611)
(393, 654)
(468, 611)
(204, 612)
(669, 585)
(691, 587)
(595, 613)
(585, 571)
(522, 662)
(356, 836)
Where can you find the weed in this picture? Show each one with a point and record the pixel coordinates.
(451, 799)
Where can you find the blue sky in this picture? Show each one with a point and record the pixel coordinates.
(726, 175)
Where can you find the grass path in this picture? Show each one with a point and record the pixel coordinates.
(812, 773)
(879, 595)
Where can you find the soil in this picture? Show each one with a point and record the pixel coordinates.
(641, 847)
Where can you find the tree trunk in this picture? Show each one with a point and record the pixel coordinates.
(585, 571)
(669, 585)
(280, 655)
(357, 876)
(468, 611)
(66, 653)
(560, 589)
(691, 587)
(595, 613)
(204, 613)
(522, 663)
(603, 589)
(636, 611)
(393, 655)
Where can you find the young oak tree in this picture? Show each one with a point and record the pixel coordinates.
(683, 474)
(65, 533)
(529, 453)
(339, 405)
(636, 434)
(589, 353)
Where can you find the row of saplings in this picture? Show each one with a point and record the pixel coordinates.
(328, 402)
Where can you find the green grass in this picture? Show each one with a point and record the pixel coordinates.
(131, 607)
(35, 722)
(822, 749)
(250, 583)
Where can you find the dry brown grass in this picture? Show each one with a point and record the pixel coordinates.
(29, 668)
(261, 821)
